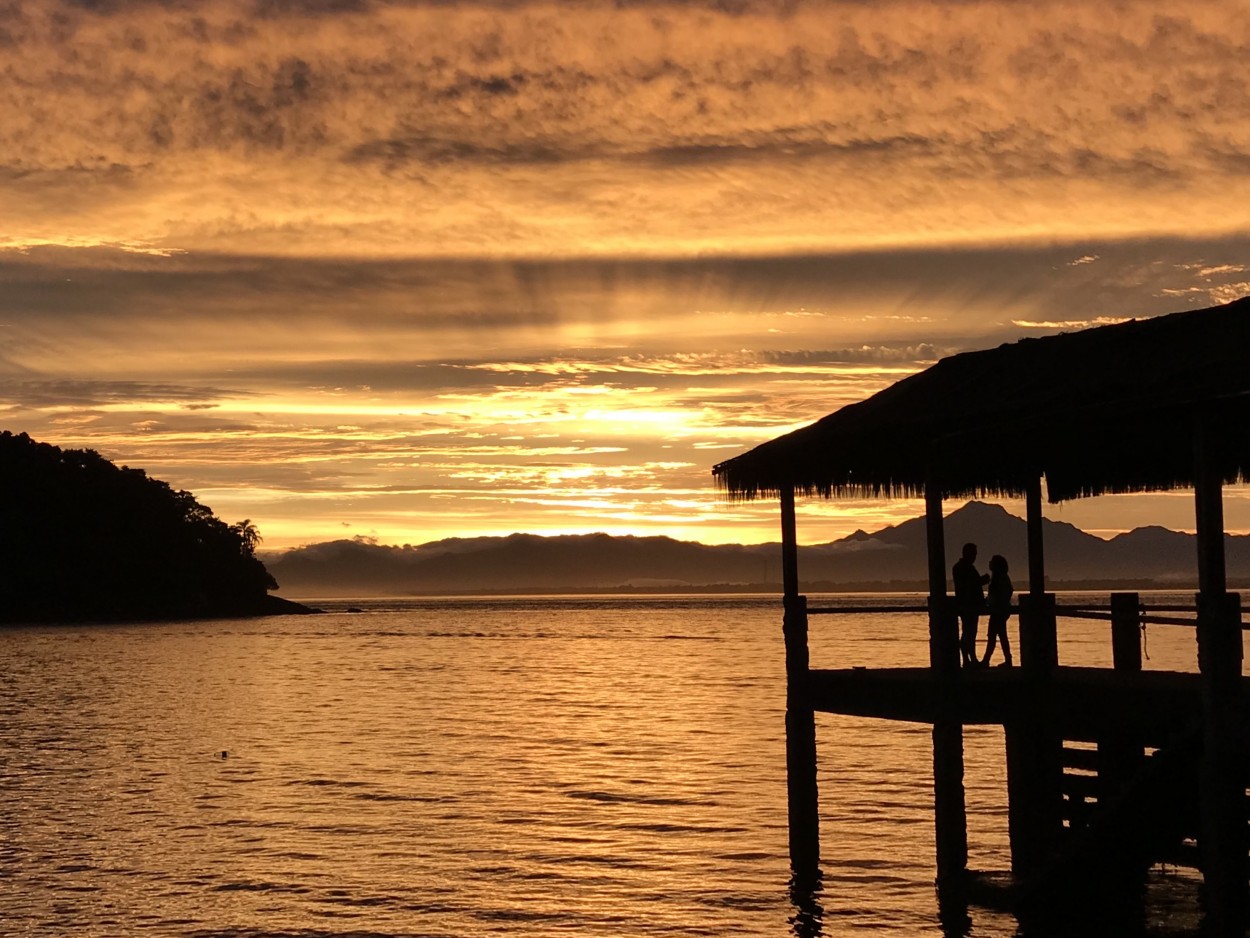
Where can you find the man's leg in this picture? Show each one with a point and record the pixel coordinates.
(968, 637)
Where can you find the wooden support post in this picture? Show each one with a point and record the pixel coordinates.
(1037, 557)
(1120, 757)
(801, 790)
(1222, 828)
(943, 625)
(789, 544)
(949, 809)
(1034, 746)
(1208, 516)
(935, 542)
(1039, 636)
(1126, 629)
(1222, 789)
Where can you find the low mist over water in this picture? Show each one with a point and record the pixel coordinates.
(527, 767)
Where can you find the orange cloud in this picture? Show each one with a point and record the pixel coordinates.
(513, 129)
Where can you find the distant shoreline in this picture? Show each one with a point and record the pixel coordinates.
(774, 589)
(269, 605)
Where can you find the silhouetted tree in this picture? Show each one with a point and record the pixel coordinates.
(81, 538)
(249, 535)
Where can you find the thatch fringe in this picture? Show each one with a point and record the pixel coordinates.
(1103, 411)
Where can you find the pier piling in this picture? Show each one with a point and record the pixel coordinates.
(1222, 787)
(1034, 745)
(949, 806)
(1120, 754)
(803, 806)
(1222, 803)
(802, 792)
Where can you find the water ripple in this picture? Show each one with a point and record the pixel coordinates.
(530, 768)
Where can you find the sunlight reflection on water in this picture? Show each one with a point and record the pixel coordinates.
(525, 767)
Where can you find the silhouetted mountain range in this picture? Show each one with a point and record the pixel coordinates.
(892, 558)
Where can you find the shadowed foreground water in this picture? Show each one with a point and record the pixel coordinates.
(529, 767)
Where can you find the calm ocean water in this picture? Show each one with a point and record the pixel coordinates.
(528, 767)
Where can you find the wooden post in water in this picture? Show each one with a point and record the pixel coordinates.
(1034, 747)
(949, 810)
(802, 794)
(1222, 798)
(1126, 631)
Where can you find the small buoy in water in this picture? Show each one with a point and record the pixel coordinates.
(224, 753)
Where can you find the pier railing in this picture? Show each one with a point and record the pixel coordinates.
(1131, 606)
(1039, 623)
(1079, 611)
(1102, 762)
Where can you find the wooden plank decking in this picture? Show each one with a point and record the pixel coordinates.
(1083, 703)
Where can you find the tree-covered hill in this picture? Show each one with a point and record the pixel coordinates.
(81, 539)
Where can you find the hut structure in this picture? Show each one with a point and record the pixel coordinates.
(1144, 405)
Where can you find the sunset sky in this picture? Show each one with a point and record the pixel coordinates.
(413, 270)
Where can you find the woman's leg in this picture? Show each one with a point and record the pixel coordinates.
(997, 634)
(990, 638)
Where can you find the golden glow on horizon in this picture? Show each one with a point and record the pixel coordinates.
(339, 465)
(25, 245)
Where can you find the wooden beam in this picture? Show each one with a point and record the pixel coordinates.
(943, 627)
(1086, 703)
(1208, 515)
(1037, 557)
(789, 543)
(935, 541)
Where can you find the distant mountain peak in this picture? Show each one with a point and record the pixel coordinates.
(1151, 530)
(985, 509)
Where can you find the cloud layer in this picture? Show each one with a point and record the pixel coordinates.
(651, 128)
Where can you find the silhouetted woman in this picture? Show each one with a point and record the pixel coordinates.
(998, 601)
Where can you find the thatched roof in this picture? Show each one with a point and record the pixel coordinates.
(1110, 409)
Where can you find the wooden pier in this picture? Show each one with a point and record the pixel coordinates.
(1107, 767)
(1109, 770)
(1123, 763)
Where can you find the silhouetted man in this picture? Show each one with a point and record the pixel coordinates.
(969, 601)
